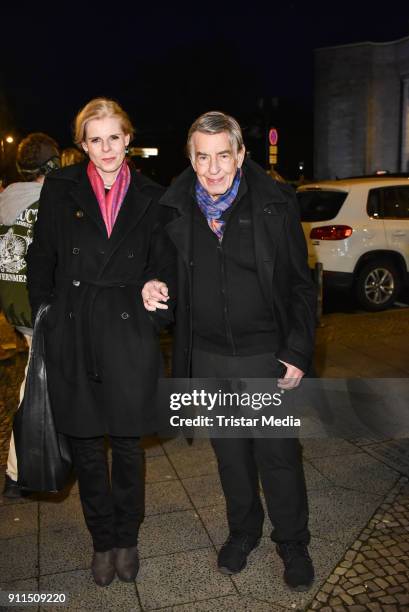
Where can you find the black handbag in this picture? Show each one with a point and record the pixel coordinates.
(43, 455)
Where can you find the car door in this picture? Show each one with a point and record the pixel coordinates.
(395, 208)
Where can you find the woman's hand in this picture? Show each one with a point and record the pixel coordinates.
(154, 294)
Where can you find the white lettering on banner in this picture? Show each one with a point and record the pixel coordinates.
(15, 278)
(29, 215)
(24, 224)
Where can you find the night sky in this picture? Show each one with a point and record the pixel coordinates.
(167, 63)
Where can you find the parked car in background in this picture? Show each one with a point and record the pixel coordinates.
(358, 229)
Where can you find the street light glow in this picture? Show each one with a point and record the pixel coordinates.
(9, 139)
(144, 151)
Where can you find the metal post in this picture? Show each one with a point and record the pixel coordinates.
(318, 277)
(2, 160)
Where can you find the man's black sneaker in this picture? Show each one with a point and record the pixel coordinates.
(234, 552)
(299, 570)
(12, 490)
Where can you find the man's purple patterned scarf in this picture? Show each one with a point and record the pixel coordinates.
(213, 209)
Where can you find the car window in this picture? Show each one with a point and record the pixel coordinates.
(403, 201)
(373, 205)
(320, 204)
(395, 202)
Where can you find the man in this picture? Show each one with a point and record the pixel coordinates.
(245, 308)
(37, 155)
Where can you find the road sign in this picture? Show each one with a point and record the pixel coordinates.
(273, 136)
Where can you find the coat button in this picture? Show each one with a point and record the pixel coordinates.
(125, 315)
(130, 255)
(75, 251)
(71, 315)
(76, 283)
(79, 214)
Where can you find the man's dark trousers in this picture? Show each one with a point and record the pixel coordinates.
(278, 461)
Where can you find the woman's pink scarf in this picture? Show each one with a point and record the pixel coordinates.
(110, 203)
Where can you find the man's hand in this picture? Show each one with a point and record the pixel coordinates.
(154, 294)
(292, 377)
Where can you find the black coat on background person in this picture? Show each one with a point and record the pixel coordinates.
(102, 346)
(281, 260)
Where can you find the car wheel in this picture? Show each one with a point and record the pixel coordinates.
(377, 285)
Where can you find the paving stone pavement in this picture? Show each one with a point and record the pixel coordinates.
(374, 572)
(359, 510)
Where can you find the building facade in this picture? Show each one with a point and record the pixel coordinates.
(361, 109)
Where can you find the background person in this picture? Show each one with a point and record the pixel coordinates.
(245, 308)
(96, 237)
(71, 156)
(37, 156)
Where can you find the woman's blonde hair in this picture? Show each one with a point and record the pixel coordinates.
(71, 156)
(99, 108)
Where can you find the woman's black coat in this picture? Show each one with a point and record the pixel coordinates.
(102, 346)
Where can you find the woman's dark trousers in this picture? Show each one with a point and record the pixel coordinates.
(113, 510)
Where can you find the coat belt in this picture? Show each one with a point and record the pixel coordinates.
(92, 289)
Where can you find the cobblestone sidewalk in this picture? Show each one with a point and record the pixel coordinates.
(374, 573)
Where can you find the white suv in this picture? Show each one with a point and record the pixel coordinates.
(358, 229)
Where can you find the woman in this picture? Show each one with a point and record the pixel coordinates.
(96, 240)
(71, 156)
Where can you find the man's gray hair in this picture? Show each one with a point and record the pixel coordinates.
(216, 122)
